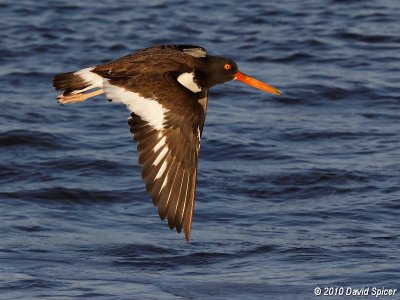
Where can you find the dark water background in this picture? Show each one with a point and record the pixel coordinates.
(294, 192)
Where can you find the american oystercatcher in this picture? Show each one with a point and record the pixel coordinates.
(166, 90)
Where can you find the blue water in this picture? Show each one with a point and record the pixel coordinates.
(294, 192)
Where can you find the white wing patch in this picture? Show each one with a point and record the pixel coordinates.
(160, 156)
(162, 170)
(159, 144)
(187, 80)
(89, 77)
(148, 109)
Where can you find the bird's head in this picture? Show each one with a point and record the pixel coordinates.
(221, 70)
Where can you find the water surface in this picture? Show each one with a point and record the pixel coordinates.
(294, 192)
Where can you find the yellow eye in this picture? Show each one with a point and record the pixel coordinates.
(227, 67)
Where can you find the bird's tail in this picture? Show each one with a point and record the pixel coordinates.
(76, 86)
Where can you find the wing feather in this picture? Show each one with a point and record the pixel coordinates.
(168, 148)
(166, 193)
(175, 197)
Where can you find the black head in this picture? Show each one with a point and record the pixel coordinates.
(219, 70)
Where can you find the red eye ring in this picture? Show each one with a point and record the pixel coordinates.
(227, 66)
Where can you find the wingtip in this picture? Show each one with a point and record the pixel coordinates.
(187, 236)
(187, 230)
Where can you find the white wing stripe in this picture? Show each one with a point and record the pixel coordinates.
(89, 77)
(159, 144)
(148, 109)
(160, 156)
(162, 170)
(165, 182)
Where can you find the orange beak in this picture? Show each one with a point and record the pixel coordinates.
(256, 83)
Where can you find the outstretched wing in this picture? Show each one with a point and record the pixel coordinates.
(166, 121)
(169, 167)
(167, 128)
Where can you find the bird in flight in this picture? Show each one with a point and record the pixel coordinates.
(166, 90)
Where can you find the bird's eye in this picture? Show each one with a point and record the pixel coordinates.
(227, 67)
